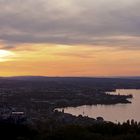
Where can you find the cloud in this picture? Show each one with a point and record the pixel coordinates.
(92, 22)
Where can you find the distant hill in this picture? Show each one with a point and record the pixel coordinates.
(28, 78)
(45, 78)
(128, 77)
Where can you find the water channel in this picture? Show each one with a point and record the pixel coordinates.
(114, 113)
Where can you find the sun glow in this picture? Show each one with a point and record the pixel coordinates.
(5, 55)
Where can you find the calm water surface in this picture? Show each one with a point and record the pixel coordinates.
(114, 113)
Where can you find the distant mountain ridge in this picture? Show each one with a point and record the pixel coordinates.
(24, 78)
(40, 78)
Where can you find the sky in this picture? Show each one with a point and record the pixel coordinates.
(70, 37)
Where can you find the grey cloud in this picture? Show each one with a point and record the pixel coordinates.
(7, 47)
(71, 22)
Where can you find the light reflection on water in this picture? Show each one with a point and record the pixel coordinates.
(114, 113)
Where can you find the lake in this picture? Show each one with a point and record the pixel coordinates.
(115, 113)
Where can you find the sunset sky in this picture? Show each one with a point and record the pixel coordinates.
(70, 37)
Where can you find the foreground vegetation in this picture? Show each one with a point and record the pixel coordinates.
(99, 131)
(38, 97)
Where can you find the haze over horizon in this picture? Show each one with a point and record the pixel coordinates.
(70, 38)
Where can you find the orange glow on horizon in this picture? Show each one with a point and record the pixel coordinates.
(69, 60)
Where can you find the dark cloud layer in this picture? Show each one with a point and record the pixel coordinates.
(95, 22)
